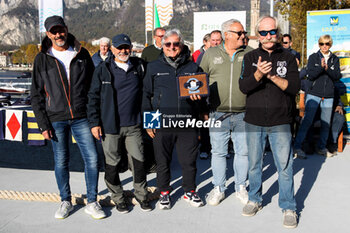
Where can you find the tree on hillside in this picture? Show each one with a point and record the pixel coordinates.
(30, 52)
(296, 9)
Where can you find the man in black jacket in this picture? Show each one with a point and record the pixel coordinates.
(114, 113)
(61, 79)
(161, 95)
(270, 80)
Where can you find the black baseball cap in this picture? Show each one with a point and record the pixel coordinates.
(54, 21)
(121, 39)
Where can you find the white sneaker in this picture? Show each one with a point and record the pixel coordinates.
(64, 210)
(215, 196)
(95, 210)
(242, 194)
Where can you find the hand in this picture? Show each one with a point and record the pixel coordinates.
(96, 132)
(151, 132)
(339, 110)
(324, 64)
(205, 116)
(194, 97)
(263, 68)
(47, 134)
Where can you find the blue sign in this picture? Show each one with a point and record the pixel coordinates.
(152, 120)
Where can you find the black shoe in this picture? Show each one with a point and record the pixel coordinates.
(122, 208)
(145, 206)
(333, 148)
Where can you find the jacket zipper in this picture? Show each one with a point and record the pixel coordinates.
(230, 94)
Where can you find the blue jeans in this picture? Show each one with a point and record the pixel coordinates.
(232, 127)
(280, 139)
(311, 105)
(60, 144)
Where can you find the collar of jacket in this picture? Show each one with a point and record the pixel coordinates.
(321, 55)
(277, 49)
(47, 43)
(184, 56)
(222, 47)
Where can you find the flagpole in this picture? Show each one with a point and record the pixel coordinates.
(152, 20)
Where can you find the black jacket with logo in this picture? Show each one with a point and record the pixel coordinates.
(160, 86)
(267, 104)
(104, 108)
(322, 81)
(53, 97)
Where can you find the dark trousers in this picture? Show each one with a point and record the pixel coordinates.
(186, 142)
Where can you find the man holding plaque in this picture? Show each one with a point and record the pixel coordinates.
(223, 64)
(161, 99)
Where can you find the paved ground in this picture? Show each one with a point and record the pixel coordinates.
(321, 187)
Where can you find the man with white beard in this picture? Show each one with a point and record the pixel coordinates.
(114, 114)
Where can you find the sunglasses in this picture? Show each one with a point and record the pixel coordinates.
(285, 42)
(328, 44)
(238, 33)
(175, 44)
(271, 32)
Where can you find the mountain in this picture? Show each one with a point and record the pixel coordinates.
(89, 19)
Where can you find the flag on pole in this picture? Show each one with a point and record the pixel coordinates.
(2, 124)
(156, 17)
(14, 125)
(165, 11)
(35, 138)
(158, 11)
(48, 8)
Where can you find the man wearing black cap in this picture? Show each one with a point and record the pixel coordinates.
(61, 78)
(114, 113)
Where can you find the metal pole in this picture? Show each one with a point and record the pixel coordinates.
(302, 52)
(271, 8)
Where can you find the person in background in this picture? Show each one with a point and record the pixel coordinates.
(61, 79)
(323, 70)
(287, 44)
(104, 52)
(215, 39)
(205, 46)
(152, 52)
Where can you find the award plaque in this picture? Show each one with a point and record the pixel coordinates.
(193, 84)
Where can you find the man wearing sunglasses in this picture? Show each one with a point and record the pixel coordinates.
(114, 113)
(270, 79)
(160, 94)
(223, 64)
(61, 78)
(287, 44)
(152, 52)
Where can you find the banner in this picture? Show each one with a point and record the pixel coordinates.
(48, 8)
(336, 24)
(35, 138)
(149, 15)
(206, 22)
(13, 125)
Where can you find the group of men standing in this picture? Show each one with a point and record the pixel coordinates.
(251, 93)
